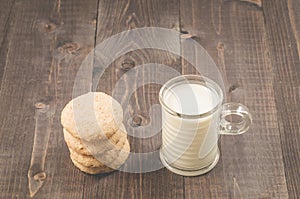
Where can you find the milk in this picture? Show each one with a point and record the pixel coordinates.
(190, 144)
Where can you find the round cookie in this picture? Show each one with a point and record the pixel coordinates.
(116, 157)
(90, 165)
(99, 147)
(96, 147)
(114, 152)
(92, 170)
(123, 155)
(85, 160)
(92, 115)
(118, 135)
(75, 143)
(85, 148)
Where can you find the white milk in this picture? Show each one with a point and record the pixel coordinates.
(190, 144)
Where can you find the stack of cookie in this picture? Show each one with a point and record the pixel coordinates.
(94, 133)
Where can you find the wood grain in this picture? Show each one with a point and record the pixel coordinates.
(202, 20)
(115, 17)
(284, 56)
(294, 15)
(38, 68)
(254, 43)
(75, 39)
(234, 34)
(6, 20)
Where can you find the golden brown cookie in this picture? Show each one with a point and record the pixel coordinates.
(92, 115)
(123, 155)
(110, 152)
(75, 143)
(92, 170)
(113, 158)
(96, 147)
(118, 135)
(85, 160)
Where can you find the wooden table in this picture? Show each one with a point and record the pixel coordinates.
(256, 45)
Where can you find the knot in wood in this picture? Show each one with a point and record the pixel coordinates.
(232, 88)
(221, 46)
(127, 64)
(94, 21)
(70, 48)
(186, 36)
(137, 121)
(40, 176)
(255, 2)
(49, 27)
(40, 105)
(184, 32)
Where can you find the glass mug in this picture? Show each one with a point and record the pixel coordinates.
(193, 117)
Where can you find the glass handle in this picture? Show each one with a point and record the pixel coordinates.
(235, 119)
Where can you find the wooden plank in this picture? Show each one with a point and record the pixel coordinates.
(282, 23)
(115, 17)
(294, 15)
(234, 34)
(6, 19)
(40, 68)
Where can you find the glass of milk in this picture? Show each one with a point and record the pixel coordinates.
(193, 117)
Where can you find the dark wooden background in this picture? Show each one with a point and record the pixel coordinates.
(256, 45)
